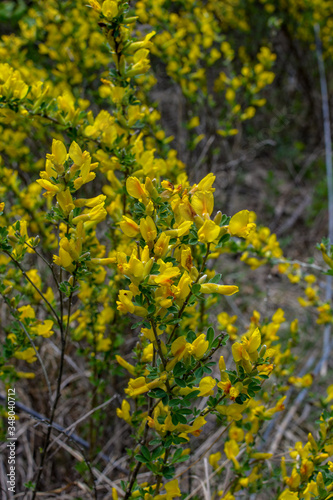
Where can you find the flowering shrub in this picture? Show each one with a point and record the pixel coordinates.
(110, 254)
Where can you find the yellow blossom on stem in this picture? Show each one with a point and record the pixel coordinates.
(58, 156)
(208, 232)
(124, 412)
(240, 224)
(231, 449)
(214, 458)
(203, 203)
(148, 230)
(44, 329)
(221, 289)
(27, 355)
(136, 189)
(130, 368)
(109, 9)
(206, 386)
(246, 352)
(129, 227)
(65, 201)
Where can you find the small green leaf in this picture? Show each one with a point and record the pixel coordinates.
(191, 336)
(179, 369)
(196, 288)
(210, 336)
(141, 458)
(216, 278)
(157, 453)
(174, 418)
(145, 452)
(180, 382)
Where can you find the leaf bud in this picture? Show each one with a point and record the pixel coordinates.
(263, 351)
(7, 290)
(130, 20)
(202, 279)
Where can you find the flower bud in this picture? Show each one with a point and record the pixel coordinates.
(263, 351)
(218, 217)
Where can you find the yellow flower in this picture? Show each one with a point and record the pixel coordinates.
(148, 230)
(28, 355)
(288, 495)
(124, 412)
(161, 246)
(140, 386)
(206, 386)
(240, 224)
(221, 289)
(130, 368)
(231, 449)
(246, 352)
(28, 312)
(65, 201)
(203, 203)
(129, 227)
(44, 329)
(199, 347)
(125, 304)
(172, 489)
(49, 186)
(208, 232)
(109, 9)
(214, 458)
(136, 189)
(58, 156)
(233, 411)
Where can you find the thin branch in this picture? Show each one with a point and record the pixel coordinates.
(36, 288)
(329, 175)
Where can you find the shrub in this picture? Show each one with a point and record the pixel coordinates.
(110, 257)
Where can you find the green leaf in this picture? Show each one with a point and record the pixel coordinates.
(157, 393)
(180, 382)
(151, 309)
(177, 455)
(192, 394)
(174, 418)
(168, 472)
(216, 278)
(155, 442)
(157, 453)
(174, 402)
(145, 452)
(181, 418)
(185, 411)
(165, 400)
(179, 440)
(196, 288)
(141, 458)
(199, 372)
(183, 458)
(179, 369)
(168, 442)
(210, 336)
(191, 336)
